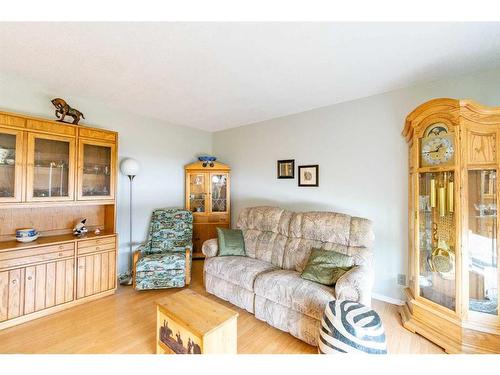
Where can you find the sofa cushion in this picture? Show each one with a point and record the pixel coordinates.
(342, 233)
(298, 250)
(265, 230)
(288, 289)
(230, 242)
(266, 246)
(326, 267)
(228, 291)
(321, 226)
(238, 270)
(265, 219)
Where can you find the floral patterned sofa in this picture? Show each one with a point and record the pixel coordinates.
(267, 281)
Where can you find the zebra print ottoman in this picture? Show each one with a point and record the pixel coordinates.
(350, 327)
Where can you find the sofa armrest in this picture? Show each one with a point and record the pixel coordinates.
(356, 285)
(210, 248)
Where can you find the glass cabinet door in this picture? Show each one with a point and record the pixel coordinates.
(95, 170)
(436, 242)
(482, 243)
(11, 154)
(218, 192)
(50, 167)
(412, 277)
(198, 192)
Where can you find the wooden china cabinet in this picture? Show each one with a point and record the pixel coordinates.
(208, 198)
(51, 175)
(452, 298)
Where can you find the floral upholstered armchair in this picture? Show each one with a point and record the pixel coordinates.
(164, 260)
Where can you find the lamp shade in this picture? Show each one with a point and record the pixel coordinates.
(130, 167)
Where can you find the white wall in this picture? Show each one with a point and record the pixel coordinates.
(161, 148)
(358, 146)
(362, 159)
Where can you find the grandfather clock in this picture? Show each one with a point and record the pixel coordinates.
(452, 297)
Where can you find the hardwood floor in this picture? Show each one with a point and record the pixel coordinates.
(125, 323)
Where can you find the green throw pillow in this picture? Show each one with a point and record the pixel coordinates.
(230, 242)
(326, 267)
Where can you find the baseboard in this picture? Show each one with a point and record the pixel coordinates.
(393, 301)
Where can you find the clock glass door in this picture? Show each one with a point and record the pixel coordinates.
(436, 279)
(482, 242)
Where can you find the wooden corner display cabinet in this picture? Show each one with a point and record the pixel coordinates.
(51, 175)
(452, 298)
(208, 198)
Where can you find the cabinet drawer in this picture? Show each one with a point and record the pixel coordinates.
(218, 219)
(200, 218)
(96, 242)
(96, 249)
(222, 218)
(17, 258)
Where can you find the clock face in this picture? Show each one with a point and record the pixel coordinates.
(437, 150)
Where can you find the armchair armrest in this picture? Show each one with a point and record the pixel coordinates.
(135, 258)
(210, 248)
(188, 265)
(356, 285)
(143, 246)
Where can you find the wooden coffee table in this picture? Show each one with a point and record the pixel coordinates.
(188, 323)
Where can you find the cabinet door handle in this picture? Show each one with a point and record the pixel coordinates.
(61, 247)
(60, 254)
(14, 282)
(98, 242)
(97, 248)
(29, 278)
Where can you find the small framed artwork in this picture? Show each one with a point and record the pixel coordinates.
(286, 168)
(308, 175)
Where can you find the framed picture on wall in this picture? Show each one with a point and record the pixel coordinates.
(286, 168)
(309, 175)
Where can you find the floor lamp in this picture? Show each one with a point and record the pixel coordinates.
(129, 167)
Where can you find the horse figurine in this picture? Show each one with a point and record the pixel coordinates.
(179, 339)
(193, 348)
(63, 109)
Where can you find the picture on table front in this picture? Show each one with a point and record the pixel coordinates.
(176, 344)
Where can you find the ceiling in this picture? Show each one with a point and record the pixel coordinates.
(215, 76)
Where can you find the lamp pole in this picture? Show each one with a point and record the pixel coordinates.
(131, 255)
(129, 168)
